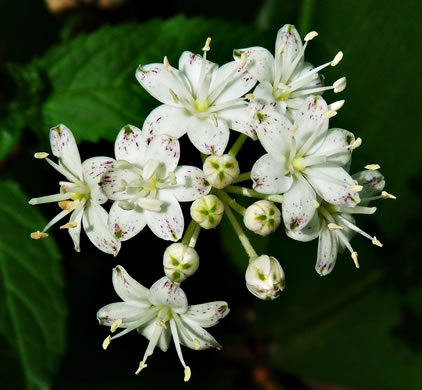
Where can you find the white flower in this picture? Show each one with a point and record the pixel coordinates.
(262, 217)
(200, 99)
(207, 211)
(286, 79)
(159, 314)
(180, 261)
(80, 195)
(147, 185)
(304, 160)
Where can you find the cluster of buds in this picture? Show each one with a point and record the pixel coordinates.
(304, 171)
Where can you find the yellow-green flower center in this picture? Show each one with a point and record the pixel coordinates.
(201, 105)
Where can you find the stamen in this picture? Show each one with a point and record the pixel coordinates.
(377, 242)
(161, 324)
(106, 342)
(150, 204)
(372, 167)
(357, 143)
(283, 86)
(340, 85)
(142, 365)
(172, 178)
(176, 98)
(196, 344)
(292, 130)
(167, 64)
(243, 59)
(68, 205)
(250, 96)
(41, 155)
(355, 259)
(214, 119)
(281, 48)
(115, 325)
(310, 35)
(330, 114)
(187, 373)
(207, 45)
(334, 226)
(315, 204)
(355, 188)
(336, 105)
(68, 225)
(337, 58)
(386, 195)
(38, 235)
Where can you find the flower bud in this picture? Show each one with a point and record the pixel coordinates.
(180, 261)
(220, 171)
(263, 217)
(265, 277)
(372, 182)
(207, 211)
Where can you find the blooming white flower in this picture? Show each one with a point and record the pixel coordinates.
(159, 314)
(285, 79)
(147, 185)
(335, 225)
(80, 195)
(200, 99)
(304, 160)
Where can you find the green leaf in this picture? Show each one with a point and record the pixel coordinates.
(90, 82)
(33, 310)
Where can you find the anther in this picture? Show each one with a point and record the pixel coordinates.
(355, 188)
(250, 96)
(292, 130)
(106, 342)
(337, 58)
(336, 105)
(41, 155)
(68, 205)
(372, 167)
(172, 177)
(386, 195)
(357, 143)
(281, 48)
(377, 242)
(355, 259)
(315, 204)
(329, 114)
(174, 96)
(196, 344)
(243, 59)
(38, 235)
(69, 225)
(142, 365)
(161, 324)
(115, 325)
(215, 120)
(187, 373)
(167, 64)
(282, 86)
(310, 35)
(207, 45)
(334, 226)
(340, 85)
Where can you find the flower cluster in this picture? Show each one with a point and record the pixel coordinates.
(305, 169)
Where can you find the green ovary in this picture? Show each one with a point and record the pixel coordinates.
(201, 105)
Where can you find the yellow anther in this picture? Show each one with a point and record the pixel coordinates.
(377, 242)
(250, 96)
(315, 204)
(386, 195)
(243, 59)
(292, 130)
(281, 48)
(330, 114)
(68, 205)
(142, 365)
(355, 188)
(340, 85)
(174, 96)
(196, 344)
(115, 325)
(69, 225)
(337, 58)
(63, 189)
(310, 35)
(207, 45)
(41, 155)
(283, 86)
(187, 373)
(334, 226)
(37, 235)
(336, 105)
(172, 177)
(162, 324)
(372, 167)
(167, 64)
(357, 143)
(355, 259)
(106, 342)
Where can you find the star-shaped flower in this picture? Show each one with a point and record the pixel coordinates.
(147, 185)
(159, 314)
(200, 99)
(304, 159)
(80, 195)
(285, 79)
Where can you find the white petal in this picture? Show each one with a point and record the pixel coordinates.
(130, 145)
(128, 289)
(75, 232)
(239, 118)
(332, 184)
(158, 82)
(207, 137)
(259, 62)
(310, 119)
(307, 233)
(63, 146)
(93, 169)
(166, 119)
(337, 139)
(327, 251)
(207, 314)
(96, 228)
(290, 39)
(298, 205)
(165, 293)
(241, 82)
(270, 176)
(190, 64)
(191, 184)
(114, 183)
(166, 150)
(164, 339)
(169, 223)
(264, 93)
(125, 224)
(192, 331)
(128, 313)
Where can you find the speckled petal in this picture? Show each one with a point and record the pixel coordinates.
(340, 140)
(114, 183)
(327, 251)
(164, 149)
(128, 289)
(307, 233)
(290, 38)
(191, 184)
(75, 232)
(128, 313)
(207, 314)
(130, 145)
(93, 169)
(239, 118)
(164, 292)
(260, 62)
(194, 336)
(125, 224)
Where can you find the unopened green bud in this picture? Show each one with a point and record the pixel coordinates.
(263, 217)
(221, 171)
(180, 261)
(207, 211)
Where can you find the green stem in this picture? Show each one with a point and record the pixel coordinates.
(244, 240)
(238, 145)
(243, 177)
(225, 198)
(254, 194)
(194, 237)
(305, 16)
(189, 232)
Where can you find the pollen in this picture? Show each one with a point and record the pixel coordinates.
(187, 373)
(196, 344)
(38, 235)
(69, 225)
(355, 259)
(207, 45)
(310, 35)
(357, 143)
(334, 226)
(68, 205)
(115, 325)
(355, 188)
(377, 242)
(372, 167)
(386, 195)
(142, 365)
(337, 58)
(106, 342)
(41, 155)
